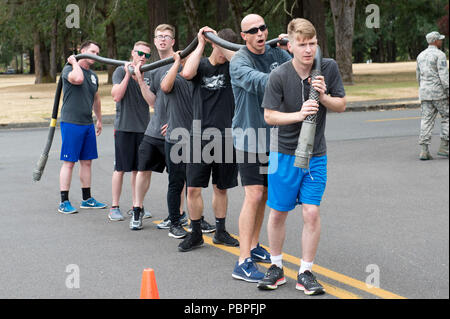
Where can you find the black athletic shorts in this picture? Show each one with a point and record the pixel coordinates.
(152, 155)
(252, 168)
(126, 146)
(224, 171)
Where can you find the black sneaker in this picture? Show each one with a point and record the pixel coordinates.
(225, 238)
(207, 227)
(307, 282)
(272, 279)
(190, 242)
(177, 231)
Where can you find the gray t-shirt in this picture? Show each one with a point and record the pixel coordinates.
(249, 75)
(132, 111)
(179, 109)
(286, 92)
(159, 118)
(78, 99)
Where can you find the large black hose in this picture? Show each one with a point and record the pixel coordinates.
(234, 46)
(37, 173)
(39, 170)
(305, 144)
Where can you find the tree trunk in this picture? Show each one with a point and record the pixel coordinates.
(21, 62)
(111, 47)
(314, 11)
(41, 61)
(157, 14)
(343, 18)
(53, 50)
(238, 15)
(31, 55)
(37, 59)
(222, 13)
(192, 16)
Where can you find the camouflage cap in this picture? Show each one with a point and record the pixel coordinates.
(434, 36)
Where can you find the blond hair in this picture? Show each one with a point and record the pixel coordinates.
(301, 28)
(164, 27)
(142, 43)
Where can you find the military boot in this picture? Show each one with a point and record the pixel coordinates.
(425, 153)
(443, 149)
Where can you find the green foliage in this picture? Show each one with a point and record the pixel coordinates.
(401, 36)
(403, 26)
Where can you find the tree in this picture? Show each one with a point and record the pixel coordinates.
(157, 14)
(107, 12)
(343, 18)
(314, 11)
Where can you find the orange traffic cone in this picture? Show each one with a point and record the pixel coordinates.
(149, 290)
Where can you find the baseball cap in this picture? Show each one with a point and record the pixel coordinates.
(434, 36)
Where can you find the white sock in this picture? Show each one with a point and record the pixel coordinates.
(277, 260)
(305, 266)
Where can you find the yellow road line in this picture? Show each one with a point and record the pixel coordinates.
(395, 119)
(344, 279)
(332, 290)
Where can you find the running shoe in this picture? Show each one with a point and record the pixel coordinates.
(224, 238)
(177, 231)
(147, 213)
(206, 227)
(166, 223)
(136, 219)
(308, 283)
(247, 271)
(190, 242)
(115, 214)
(260, 254)
(273, 278)
(92, 203)
(66, 208)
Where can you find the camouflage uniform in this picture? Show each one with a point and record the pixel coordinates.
(432, 75)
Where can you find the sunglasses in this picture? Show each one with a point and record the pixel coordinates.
(140, 53)
(255, 30)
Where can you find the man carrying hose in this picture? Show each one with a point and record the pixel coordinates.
(286, 105)
(249, 70)
(213, 109)
(132, 117)
(80, 86)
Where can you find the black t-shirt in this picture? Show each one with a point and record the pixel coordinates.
(213, 101)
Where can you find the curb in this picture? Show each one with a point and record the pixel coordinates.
(354, 107)
(351, 107)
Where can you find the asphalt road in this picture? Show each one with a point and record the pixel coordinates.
(385, 221)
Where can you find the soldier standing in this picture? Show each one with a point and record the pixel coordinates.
(432, 75)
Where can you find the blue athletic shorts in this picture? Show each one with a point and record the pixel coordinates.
(78, 142)
(290, 186)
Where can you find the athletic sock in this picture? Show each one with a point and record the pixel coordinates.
(277, 260)
(220, 225)
(64, 196)
(305, 266)
(197, 227)
(86, 193)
